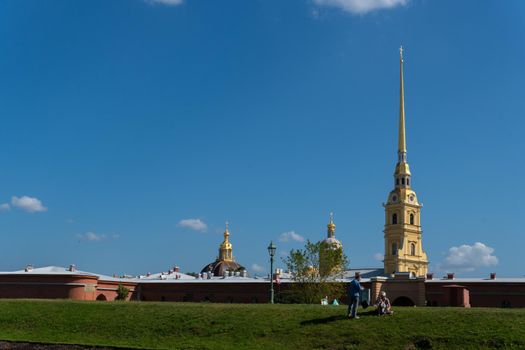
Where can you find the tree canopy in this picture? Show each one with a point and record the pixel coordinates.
(315, 271)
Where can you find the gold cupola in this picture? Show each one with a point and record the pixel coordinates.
(330, 239)
(226, 249)
(331, 226)
(225, 264)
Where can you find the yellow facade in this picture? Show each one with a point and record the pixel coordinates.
(403, 245)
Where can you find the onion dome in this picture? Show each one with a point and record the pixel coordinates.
(225, 261)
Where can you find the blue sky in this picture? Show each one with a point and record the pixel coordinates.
(122, 118)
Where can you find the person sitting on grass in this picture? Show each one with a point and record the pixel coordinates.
(383, 305)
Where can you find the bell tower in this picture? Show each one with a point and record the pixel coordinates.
(403, 244)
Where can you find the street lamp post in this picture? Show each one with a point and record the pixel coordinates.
(271, 250)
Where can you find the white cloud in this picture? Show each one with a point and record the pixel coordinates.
(166, 2)
(379, 256)
(194, 224)
(91, 236)
(469, 257)
(29, 204)
(5, 207)
(361, 6)
(258, 268)
(291, 236)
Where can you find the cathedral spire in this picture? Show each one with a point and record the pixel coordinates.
(402, 147)
(402, 172)
(403, 245)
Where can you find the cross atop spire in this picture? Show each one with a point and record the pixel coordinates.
(227, 232)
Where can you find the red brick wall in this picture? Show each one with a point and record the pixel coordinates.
(107, 290)
(48, 287)
(482, 294)
(78, 287)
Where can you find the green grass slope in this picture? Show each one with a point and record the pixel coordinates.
(235, 326)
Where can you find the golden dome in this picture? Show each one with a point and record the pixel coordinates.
(225, 261)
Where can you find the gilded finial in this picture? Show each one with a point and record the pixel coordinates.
(226, 231)
(331, 226)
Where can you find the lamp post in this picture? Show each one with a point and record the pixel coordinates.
(271, 250)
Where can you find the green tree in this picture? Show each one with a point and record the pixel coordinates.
(122, 292)
(315, 270)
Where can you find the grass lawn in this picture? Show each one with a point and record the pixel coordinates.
(235, 326)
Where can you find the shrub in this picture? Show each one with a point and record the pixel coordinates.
(122, 292)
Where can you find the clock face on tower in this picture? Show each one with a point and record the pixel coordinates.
(411, 198)
(394, 198)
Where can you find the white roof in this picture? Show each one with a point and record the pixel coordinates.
(366, 273)
(167, 276)
(161, 277)
(229, 279)
(477, 280)
(48, 270)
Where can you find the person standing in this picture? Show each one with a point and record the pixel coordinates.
(354, 289)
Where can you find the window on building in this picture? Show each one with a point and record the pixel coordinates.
(397, 181)
(394, 219)
(411, 219)
(412, 249)
(394, 248)
(402, 181)
(408, 181)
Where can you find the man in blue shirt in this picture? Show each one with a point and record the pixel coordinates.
(354, 288)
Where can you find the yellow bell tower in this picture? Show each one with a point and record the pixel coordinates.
(403, 245)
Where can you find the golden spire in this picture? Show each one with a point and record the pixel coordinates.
(331, 226)
(402, 147)
(402, 167)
